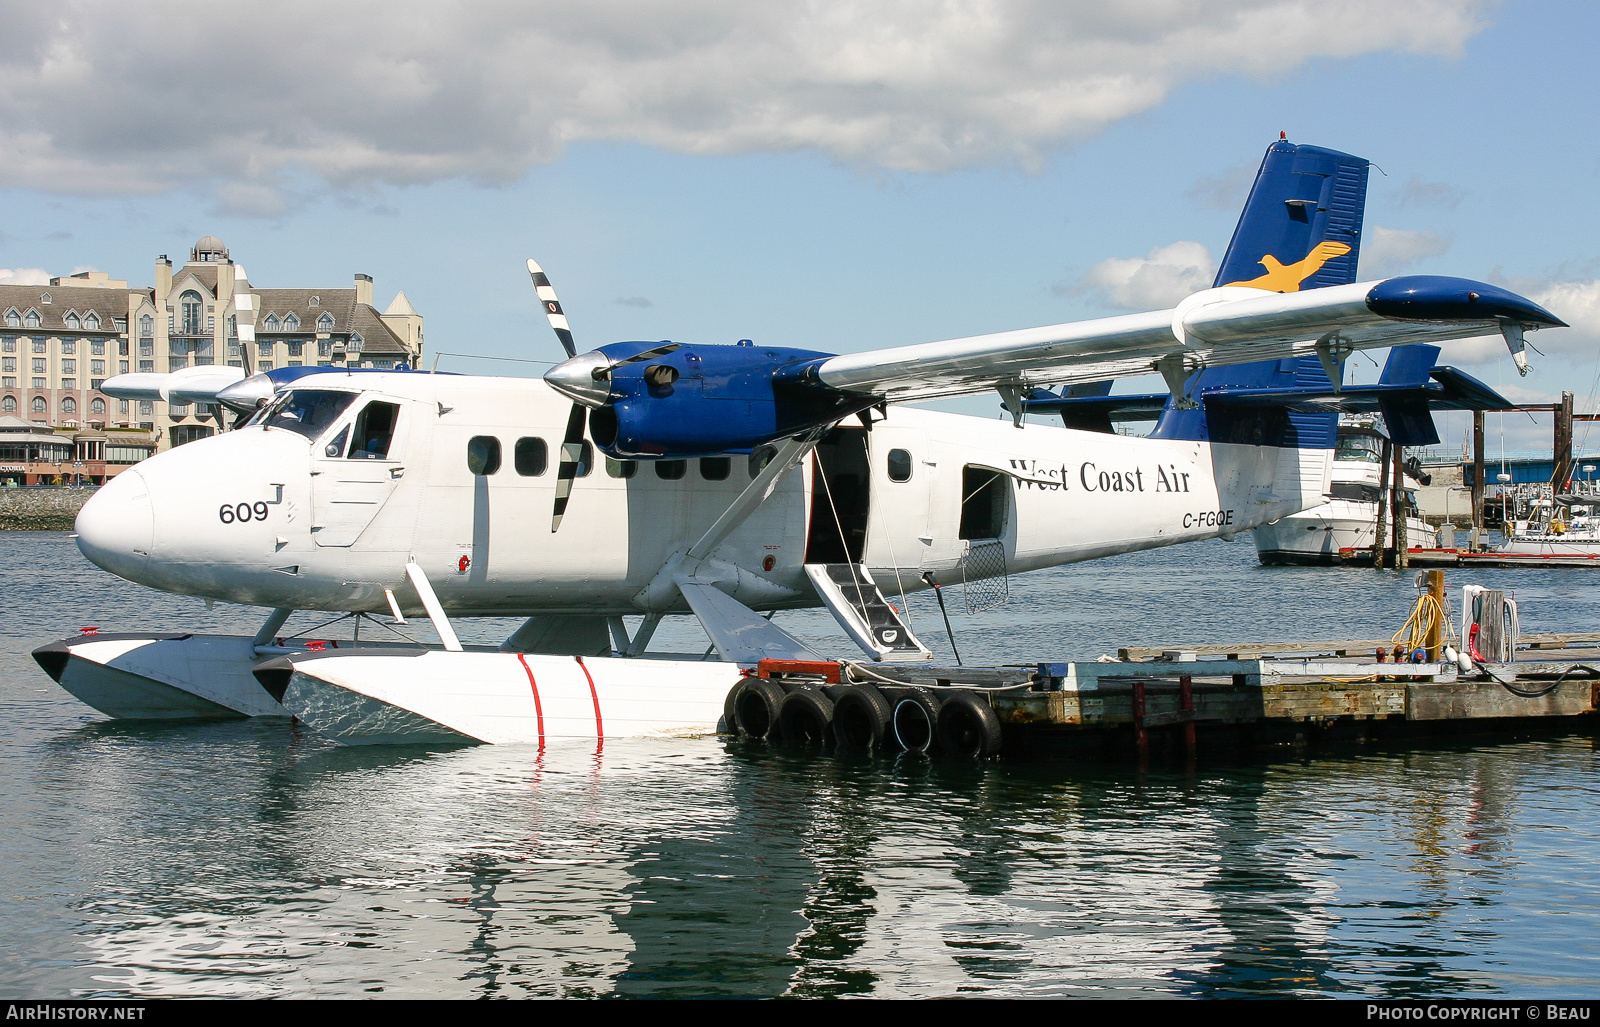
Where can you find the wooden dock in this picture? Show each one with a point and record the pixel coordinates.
(1246, 697)
(1469, 558)
(1271, 701)
(1576, 640)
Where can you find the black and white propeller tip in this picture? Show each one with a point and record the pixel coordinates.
(552, 306)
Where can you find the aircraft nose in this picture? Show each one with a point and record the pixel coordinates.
(116, 527)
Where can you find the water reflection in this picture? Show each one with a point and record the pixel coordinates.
(239, 861)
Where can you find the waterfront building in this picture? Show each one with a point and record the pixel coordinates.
(58, 344)
(36, 454)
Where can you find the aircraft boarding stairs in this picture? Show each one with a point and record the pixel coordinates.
(856, 602)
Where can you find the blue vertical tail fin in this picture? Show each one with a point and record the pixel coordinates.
(1301, 226)
(1300, 229)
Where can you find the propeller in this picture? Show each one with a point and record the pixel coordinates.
(567, 469)
(552, 307)
(588, 384)
(577, 420)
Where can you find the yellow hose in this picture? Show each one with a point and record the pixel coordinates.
(1419, 627)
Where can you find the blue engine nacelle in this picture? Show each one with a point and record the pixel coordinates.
(704, 400)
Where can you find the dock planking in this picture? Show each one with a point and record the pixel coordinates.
(1341, 647)
(1241, 701)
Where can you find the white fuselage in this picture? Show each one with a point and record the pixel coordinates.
(263, 516)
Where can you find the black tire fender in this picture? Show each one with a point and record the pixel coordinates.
(915, 722)
(969, 727)
(754, 704)
(805, 718)
(861, 719)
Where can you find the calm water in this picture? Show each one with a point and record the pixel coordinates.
(248, 859)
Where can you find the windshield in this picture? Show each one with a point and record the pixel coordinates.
(1359, 448)
(308, 411)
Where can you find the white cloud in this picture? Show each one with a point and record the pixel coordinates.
(1386, 251)
(1417, 193)
(107, 98)
(24, 276)
(1225, 191)
(1576, 303)
(1155, 281)
(1559, 351)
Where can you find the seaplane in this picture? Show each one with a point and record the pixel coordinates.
(730, 482)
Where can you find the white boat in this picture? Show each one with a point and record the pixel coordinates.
(1349, 519)
(1564, 525)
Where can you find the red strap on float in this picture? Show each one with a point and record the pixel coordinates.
(599, 729)
(538, 708)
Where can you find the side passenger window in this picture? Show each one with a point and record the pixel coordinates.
(531, 457)
(585, 459)
(483, 454)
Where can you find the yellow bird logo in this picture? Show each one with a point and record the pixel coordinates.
(1287, 277)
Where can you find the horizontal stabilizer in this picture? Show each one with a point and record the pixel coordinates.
(1449, 389)
(1443, 388)
(1083, 411)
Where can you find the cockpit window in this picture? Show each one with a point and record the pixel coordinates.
(374, 430)
(308, 411)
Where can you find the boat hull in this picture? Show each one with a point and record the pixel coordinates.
(1555, 545)
(1314, 537)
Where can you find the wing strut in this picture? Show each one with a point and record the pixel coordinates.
(739, 633)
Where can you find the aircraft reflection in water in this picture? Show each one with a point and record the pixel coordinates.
(652, 870)
(723, 481)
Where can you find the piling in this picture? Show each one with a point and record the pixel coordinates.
(1380, 537)
(1478, 470)
(1436, 633)
(1397, 509)
(1563, 444)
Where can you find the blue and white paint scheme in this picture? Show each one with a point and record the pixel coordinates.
(680, 478)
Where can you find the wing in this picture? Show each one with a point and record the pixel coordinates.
(1230, 325)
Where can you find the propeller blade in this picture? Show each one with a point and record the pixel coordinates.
(603, 373)
(567, 469)
(552, 307)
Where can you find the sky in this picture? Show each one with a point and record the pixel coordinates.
(826, 175)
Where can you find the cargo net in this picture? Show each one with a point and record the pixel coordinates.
(983, 576)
